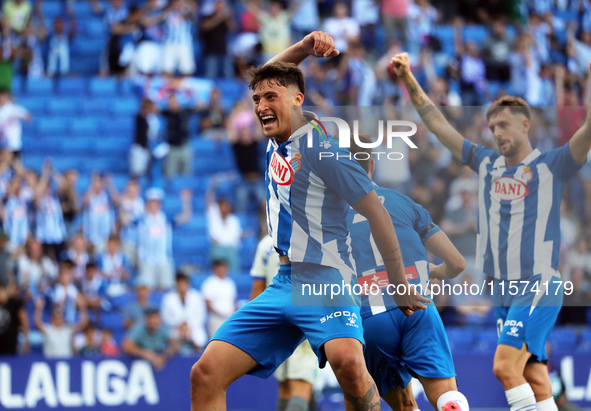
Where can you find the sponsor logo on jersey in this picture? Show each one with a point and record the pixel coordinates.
(381, 279)
(513, 323)
(280, 170)
(514, 332)
(508, 189)
(351, 318)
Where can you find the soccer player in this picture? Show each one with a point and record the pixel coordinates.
(306, 208)
(297, 374)
(518, 232)
(418, 341)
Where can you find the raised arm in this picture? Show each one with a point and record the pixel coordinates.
(37, 317)
(430, 114)
(384, 235)
(317, 44)
(453, 264)
(580, 143)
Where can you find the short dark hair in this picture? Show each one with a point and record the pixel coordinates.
(181, 275)
(516, 105)
(364, 162)
(283, 74)
(90, 265)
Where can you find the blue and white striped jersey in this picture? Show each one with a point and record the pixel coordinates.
(98, 218)
(413, 226)
(307, 198)
(154, 239)
(50, 228)
(177, 29)
(16, 221)
(519, 211)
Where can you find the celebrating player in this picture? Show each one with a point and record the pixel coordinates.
(306, 215)
(518, 232)
(418, 341)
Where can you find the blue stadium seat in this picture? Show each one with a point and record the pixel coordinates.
(34, 162)
(120, 126)
(40, 87)
(83, 10)
(96, 106)
(476, 34)
(105, 87)
(51, 9)
(125, 106)
(86, 126)
(585, 343)
(72, 87)
(52, 126)
(111, 146)
(563, 339)
(63, 106)
(121, 301)
(95, 28)
(80, 146)
(112, 321)
(35, 105)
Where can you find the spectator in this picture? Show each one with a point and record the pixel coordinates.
(99, 219)
(472, 71)
(521, 63)
(363, 84)
(342, 28)
(421, 19)
(6, 263)
(497, 52)
(114, 267)
(244, 134)
(29, 52)
(183, 310)
(9, 167)
(148, 54)
(65, 293)
(108, 344)
(134, 311)
(147, 129)
(36, 271)
(124, 35)
(58, 334)
(214, 30)
(394, 18)
(304, 18)
(155, 243)
(213, 117)
(94, 289)
(274, 34)
(11, 116)
(68, 197)
(131, 207)
(89, 347)
(77, 253)
(13, 319)
(186, 213)
(180, 157)
(17, 13)
(224, 229)
(177, 52)
(367, 14)
(113, 13)
(49, 220)
(220, 295)
(14, 215)
(151, 341)
(58, 53)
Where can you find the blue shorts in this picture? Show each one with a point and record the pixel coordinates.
(399, 346)
(269, 328)
(527, 313)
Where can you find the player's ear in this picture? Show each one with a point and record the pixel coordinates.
(372, 166)
(298, 99)
(526, 125)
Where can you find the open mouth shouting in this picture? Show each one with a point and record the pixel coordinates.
(268, 121)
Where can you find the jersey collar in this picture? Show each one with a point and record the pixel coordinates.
(501, 161)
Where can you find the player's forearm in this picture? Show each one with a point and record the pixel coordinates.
(294, 54)
(432, 116)
(580, 143)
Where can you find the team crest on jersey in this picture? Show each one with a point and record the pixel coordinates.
(508, 189)
(296, 163)
(280, 170)
(527, 174)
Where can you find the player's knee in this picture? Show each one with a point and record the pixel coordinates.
(350, 371)
(504, 372)
(540, 384)
(203, 375)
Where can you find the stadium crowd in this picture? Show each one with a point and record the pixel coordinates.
(91, 271)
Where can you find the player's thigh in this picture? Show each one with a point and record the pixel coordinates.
(424, 344)
(401, 399)
(536, 374)
(510, 360)
(436, 387)
(221, 364)
(383, 352)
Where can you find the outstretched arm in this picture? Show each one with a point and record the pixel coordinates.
(430, 114)
(580, 143)
(453, 263)
(317, 44)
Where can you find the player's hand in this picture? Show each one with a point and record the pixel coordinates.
(411, 301)
(401, 64)
(319, 44)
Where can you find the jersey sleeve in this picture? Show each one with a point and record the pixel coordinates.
(341, 172)
(424, 225)
(473, 154)
(258, 266)
(561, 162)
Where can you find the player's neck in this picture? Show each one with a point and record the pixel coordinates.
(296, 125)
(524, 151)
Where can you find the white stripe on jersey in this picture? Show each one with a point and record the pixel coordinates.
(482, 236)
(543, 249)
(495, 217)
(515, 234)
(314, 200)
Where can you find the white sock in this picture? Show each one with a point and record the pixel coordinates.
(547, 405)
(521, 398)
(459, 402)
